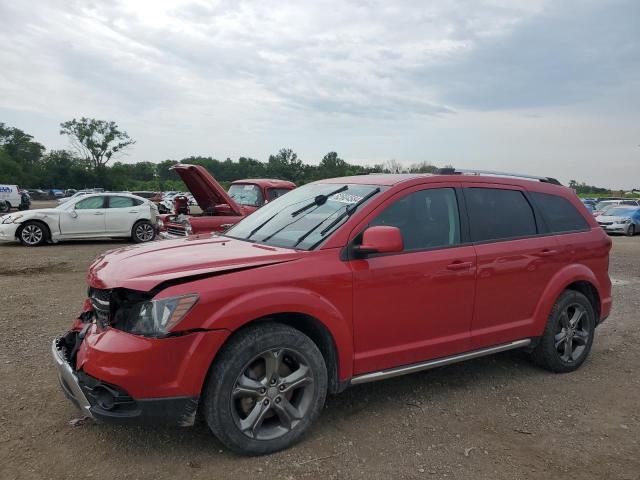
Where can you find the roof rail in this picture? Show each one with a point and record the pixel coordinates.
(461, 171)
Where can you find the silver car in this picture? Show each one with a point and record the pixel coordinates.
(621, 219)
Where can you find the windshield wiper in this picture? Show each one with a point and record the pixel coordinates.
(255, 230)
(349, 210)
(319, 200)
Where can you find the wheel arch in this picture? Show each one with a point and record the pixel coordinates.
(24, 223)
(573, 277)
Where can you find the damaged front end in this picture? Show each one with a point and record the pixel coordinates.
(114, 345)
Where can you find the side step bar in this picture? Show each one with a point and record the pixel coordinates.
(438, 362)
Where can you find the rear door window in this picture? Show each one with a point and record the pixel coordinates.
(426, 219)
(559, 213)
(497, 214)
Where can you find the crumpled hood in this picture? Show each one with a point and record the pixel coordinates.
(143, 267)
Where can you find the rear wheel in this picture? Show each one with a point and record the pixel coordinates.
(568, 336)
(143, 231)
(32, 234)
(265, 389)
(4, 206)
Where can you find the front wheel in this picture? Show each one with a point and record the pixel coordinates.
(631, 231)
(568, 336)
(143, 232)
(265, 389)
(32, 234)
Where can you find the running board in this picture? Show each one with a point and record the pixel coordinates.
(438, 362)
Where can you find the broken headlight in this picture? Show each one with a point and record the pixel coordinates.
(155, 318)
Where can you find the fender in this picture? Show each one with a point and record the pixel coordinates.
(270, 301)
(562, 279)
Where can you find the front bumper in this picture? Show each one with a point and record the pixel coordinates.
(616, 227)
(8, 232)
(68, 380)
(117, 377)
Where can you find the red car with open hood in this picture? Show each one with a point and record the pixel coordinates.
(339, 282)
(220, 209)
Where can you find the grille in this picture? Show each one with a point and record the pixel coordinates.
(605, 223)
(101, 302)
(177, 231)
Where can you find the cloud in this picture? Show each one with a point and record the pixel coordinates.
(373, 79)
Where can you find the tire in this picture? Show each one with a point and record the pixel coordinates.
(33, 234)
(631, 231)
(4, 206)
(143, 231)
(571, 322)
(252, 412)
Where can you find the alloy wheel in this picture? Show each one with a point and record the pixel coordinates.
(573, 333)
(32, 234)
(272, 394)
(144, 232)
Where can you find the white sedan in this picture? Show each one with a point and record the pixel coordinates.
(99, 215)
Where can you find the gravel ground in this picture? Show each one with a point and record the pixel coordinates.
(496, 417)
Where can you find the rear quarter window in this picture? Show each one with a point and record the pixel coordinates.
(496, 214)
(559, 213)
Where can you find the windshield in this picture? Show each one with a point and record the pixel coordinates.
(622, 211)
(604, 205)
(246, 194)
(301, 218)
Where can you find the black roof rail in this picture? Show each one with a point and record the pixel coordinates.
(461, 171)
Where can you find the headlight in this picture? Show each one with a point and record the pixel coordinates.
(188, 228)
(159, 222)
(156, 318)
(11, 218)
(625, 220)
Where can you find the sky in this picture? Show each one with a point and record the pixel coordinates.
(541, 87)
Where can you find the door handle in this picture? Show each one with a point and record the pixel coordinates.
(133, 211)
(98, 213)
(459, 266)
(547, 253)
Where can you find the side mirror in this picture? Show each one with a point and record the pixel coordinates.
(380, 239)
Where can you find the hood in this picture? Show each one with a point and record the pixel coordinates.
(610, 218)
(144, 267)
(29, 214)
(207, 192)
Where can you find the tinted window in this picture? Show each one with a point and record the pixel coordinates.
(89, 203)
(122, 202)
(496, 214)
(560, 215)
(426, 219)
(274, 193)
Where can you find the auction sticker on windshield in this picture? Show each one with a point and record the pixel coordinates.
(345, 198)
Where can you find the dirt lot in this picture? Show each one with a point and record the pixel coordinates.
(497, 417)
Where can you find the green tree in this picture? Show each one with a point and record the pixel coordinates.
(286, 165)
(97, 141)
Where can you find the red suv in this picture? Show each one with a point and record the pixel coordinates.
(339, 282)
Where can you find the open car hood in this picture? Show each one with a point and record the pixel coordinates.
(143, 267)
(204, 188)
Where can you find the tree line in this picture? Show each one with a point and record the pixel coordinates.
(97, 144)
